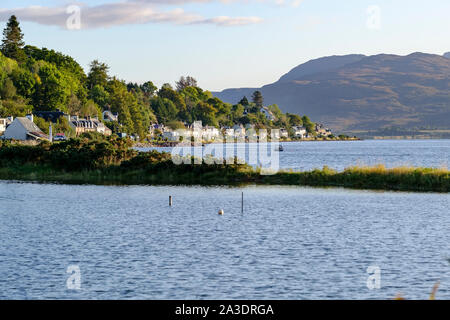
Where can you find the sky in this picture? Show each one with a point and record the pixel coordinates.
(227, 43)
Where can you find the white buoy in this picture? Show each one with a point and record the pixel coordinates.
(221, 212)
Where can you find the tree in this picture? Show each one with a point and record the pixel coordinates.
(183, 83)
(308, 124)
(74, 105)
(99, 95)
(24, 81)
(148, 88)
(206, 113)
(53, 90)
(294, 119)
(98, 74)
(8, 90)
(164, 109)
(244, 101)
(237, 111)
(12, 43)
(175, 125)
(90, 109)
(258, 99)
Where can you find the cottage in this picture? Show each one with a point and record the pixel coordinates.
(109, 116)
(156, 128)
(89, 125)
(229, 132)
(322, 131)
(284, 133)
(210, 133)
(239, 130)
(171, 135)
(299, 132)
(23, 128)
(2, 125)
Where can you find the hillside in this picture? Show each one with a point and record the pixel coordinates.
(35, 80)
(356, 92)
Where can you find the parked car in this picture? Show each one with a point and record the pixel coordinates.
(60, 137)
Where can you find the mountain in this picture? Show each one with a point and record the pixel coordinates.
(356, 92)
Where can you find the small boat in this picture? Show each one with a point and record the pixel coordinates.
(280, 148)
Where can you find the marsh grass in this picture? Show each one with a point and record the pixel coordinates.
(112, 162)
(377, 177)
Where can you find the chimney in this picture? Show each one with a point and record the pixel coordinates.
(30, 117)
(50, 132)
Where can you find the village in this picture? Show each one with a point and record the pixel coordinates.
(26, 129)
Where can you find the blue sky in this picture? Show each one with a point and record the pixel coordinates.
(230, 43)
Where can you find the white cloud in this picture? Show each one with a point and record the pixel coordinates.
(122, 13)
(231, 21)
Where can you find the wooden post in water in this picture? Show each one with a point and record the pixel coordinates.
(242, 203)
(170, 201)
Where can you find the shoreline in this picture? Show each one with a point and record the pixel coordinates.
(181, 144)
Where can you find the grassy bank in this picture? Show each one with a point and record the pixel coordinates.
(378, 178)
(112, 162)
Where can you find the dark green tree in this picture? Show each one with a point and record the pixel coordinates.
(148, 88)
(98, 74)
(294, 119)
(308, 124)
(12, 43)
(244, 101)
(206, 113)
(258, 99)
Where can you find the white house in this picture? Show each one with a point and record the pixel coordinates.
(299, 132)
(2, 125)
(284, 133)
(171, 135)
(24, 129)
(229, 132)
(210, 133)
(239, 130)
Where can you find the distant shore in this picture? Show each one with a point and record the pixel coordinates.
(171, 144)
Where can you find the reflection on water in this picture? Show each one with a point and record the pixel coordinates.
(290, 243)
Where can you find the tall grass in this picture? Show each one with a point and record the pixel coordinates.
(112, 162)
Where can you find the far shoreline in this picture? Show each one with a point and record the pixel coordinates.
(168, 144)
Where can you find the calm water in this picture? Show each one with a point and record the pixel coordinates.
(290, 243)
(342, 154)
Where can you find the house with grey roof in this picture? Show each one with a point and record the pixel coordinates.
(88, 125)
(23, 128)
